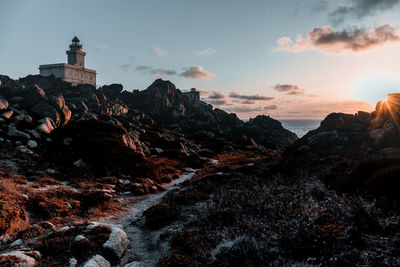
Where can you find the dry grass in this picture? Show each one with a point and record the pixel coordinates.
(13, 217)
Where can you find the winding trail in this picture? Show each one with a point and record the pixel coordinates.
(145, 247)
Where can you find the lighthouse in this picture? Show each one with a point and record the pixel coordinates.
(74, 71)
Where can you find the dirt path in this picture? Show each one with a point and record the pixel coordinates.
(146, 248)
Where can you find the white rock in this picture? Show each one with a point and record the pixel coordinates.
(97, 261)
(154, 188)
(17, 243)
(117, 243)
(190, 170)
(79, 238)
(32, 144)
(73, 262)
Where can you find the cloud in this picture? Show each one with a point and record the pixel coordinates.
(217, 102)
(244, 109)
(351, 40)
(271, 107)
(157, 72)
(205, 52)
(159, 52)
(202, 91)
(249, 102)
(100, 46)
(125, 66)
(162, 72)
(216, 95)
(249, 97)
(143, 68)
(361, 8)
(289, 89)
(197, 72)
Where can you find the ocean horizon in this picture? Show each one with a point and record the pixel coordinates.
(301, 126)
(298, 126)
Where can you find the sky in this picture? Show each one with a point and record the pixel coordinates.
(289, 59)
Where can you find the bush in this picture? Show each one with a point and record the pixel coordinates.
(160, 215)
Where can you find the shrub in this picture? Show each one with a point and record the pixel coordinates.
(160, 215)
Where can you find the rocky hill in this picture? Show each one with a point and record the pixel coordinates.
(72, 154)
(199, 186)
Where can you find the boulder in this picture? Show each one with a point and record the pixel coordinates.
(47, 125)
(24, 258)
(117, 243)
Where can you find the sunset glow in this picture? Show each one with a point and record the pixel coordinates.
(336, 66)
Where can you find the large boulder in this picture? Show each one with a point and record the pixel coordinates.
(117, 243)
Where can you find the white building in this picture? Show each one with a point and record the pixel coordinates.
(73, 72)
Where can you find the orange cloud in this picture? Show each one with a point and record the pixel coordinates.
(197, 72)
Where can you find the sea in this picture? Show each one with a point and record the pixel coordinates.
(300, 127)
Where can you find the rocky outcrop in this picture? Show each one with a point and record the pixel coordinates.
(360, 134)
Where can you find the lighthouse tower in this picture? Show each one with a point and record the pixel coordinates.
(75, 54)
